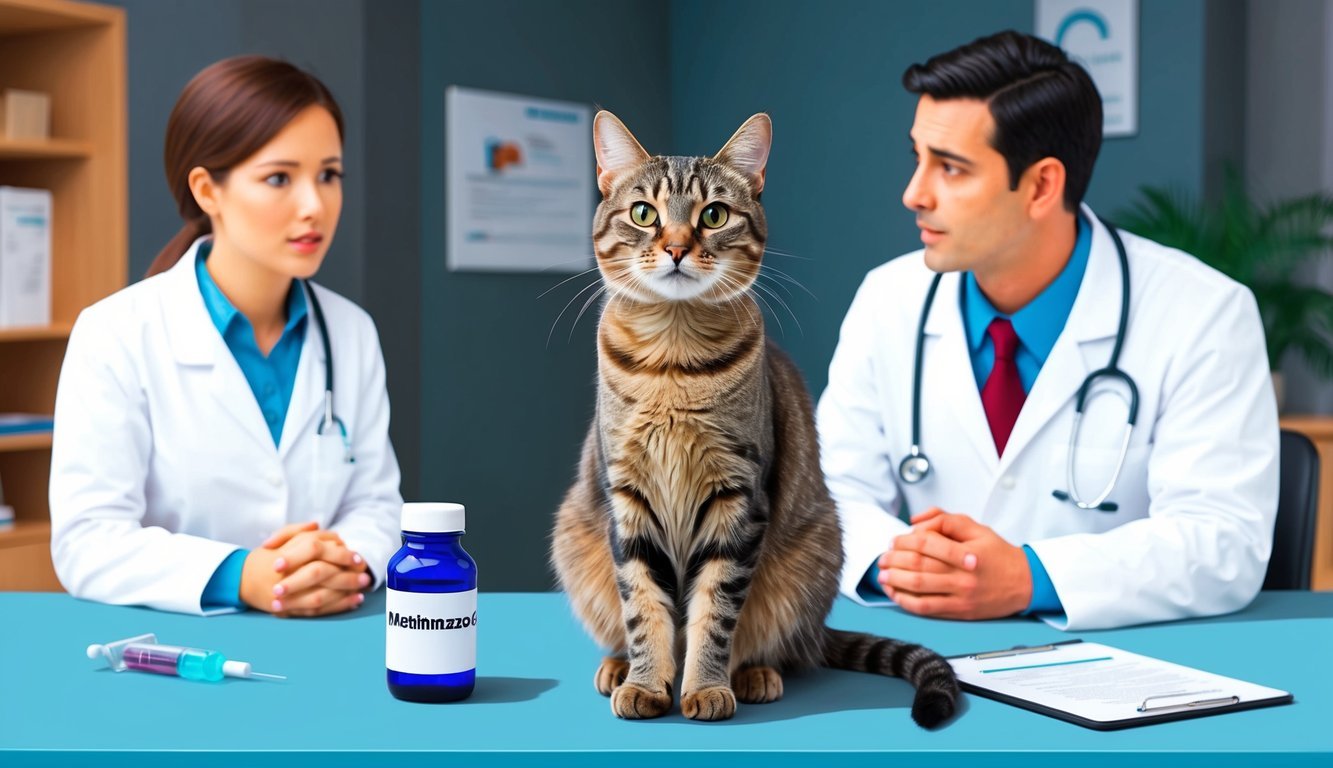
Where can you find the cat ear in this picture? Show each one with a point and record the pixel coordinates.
(616, 148)
(747, 149)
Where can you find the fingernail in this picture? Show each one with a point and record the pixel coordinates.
(360, 598)
(279, 564)
(363, 580)
(278, 590)
(969, 561)
(277, 606)
(356, 559)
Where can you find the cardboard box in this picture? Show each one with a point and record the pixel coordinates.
(25, 114)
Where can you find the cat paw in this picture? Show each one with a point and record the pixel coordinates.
(610, 675)
(632, 701)
(757, 685)
(716, 703)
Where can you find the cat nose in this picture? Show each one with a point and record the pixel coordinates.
(677, 252)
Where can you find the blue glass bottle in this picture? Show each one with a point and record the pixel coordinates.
(431, 608)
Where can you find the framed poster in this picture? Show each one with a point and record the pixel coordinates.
(519, 182)
(1103, 36)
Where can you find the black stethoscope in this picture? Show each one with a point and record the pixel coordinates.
(328, 420)
(916, 466)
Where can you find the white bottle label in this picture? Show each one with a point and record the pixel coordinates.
(431, 633)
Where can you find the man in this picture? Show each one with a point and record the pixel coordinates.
(1028, 304)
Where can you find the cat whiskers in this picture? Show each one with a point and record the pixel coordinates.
(568, 304)
(777, 273)
(785, 255)
(744, 291)
(733, 297)
(566, 280)
(586, 304)
(771, 311)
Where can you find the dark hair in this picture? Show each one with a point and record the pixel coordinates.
(228, 112)
(1044, 105)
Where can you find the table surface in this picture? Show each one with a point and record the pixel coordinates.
(535, 703)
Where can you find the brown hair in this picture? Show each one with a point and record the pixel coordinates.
(228, 112)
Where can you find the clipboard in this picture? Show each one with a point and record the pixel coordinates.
(1105, 688)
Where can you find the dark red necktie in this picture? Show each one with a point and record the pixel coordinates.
(1003, 395)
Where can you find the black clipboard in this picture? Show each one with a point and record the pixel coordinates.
(1173, 708)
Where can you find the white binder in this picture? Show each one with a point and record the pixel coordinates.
(25, 257)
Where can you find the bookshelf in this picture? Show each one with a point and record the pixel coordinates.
(76, 53)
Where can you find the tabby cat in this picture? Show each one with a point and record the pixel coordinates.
(699, 525)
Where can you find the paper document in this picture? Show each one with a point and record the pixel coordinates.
(1101, 684)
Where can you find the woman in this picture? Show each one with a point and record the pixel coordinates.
(191, 427)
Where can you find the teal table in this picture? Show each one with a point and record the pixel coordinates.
(535, 704)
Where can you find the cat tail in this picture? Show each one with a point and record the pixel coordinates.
(934, 679)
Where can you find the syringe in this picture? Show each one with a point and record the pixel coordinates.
(145, 654)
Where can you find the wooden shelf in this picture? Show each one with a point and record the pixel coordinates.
(33, 441)
(36, 332)
(26, 532)
(29, 16)
(75, 53)
(44, 149)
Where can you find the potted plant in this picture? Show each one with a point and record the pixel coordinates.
(1260, 246)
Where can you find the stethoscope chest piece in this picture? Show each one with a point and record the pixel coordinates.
(915, 467)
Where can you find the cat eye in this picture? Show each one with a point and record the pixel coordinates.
(643, 214)
(714, 216)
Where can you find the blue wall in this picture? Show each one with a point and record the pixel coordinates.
(830, 74)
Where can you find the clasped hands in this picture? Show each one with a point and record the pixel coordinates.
(950, 566)
(303, 571)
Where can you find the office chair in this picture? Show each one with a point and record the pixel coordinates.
(1297, 506)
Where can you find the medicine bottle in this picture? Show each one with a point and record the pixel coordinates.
(431, 605)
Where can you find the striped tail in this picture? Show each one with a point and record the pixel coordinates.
(936, 685)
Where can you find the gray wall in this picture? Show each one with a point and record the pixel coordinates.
(502, 413)
(1289, 136)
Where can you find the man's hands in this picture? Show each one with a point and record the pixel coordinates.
(303, 571)
(952, 567)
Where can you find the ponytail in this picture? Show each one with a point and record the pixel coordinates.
(194, 229)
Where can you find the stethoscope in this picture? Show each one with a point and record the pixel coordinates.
(915, 467)
(328, 420)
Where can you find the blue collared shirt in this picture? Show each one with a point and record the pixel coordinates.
(271, 379)
(1038, 325)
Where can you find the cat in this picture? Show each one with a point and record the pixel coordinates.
(699, 525)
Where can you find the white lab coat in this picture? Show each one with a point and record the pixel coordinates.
(162, 464)
(1198, 493)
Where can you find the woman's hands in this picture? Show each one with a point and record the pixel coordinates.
(303, 571)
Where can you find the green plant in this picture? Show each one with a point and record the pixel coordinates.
(1260, 246)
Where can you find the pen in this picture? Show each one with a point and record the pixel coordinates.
(1015, 651)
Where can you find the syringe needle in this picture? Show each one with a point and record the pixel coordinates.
(268, 676)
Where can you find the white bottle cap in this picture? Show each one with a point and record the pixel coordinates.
(433, 517)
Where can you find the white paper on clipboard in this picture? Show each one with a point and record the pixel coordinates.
(1102, 684)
